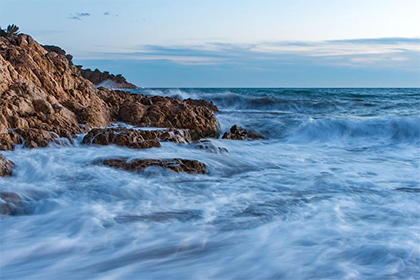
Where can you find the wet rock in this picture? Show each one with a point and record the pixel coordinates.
(175, 135)
(10, 203)
(238, 133)
(135, 138)
(176, 164)
(6, 166)
(8, 140)
(131, 138)
(195, 115)
(161, 217)
(208, 146)
(36, 138)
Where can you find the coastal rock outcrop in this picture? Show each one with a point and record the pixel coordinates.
(238, 133)
(136, 109)
(6, 166)
(44, 96)
(176, 164)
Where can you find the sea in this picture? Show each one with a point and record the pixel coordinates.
(332, 192)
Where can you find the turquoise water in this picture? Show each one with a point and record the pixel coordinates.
(333, 192)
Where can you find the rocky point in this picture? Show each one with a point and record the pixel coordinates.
(45, 97)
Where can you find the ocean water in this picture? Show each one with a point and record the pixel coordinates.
(333, 192)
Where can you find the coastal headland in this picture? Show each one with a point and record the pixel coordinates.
(45, 98)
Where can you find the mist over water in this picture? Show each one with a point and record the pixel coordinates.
(333, 192)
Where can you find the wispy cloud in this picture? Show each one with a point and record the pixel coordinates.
(402, 53)
(78, 16)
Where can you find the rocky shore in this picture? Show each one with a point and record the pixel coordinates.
(44, 98)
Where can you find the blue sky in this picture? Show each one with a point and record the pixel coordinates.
(233, 43)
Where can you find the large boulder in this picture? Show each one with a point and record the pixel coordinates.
(176, 164)
(6, 166)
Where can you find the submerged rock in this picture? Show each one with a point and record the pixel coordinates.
(238, 133)
(6, 166)
(208, 146)
(176, 164)
(10, 203)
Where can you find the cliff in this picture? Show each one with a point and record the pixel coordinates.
(43, 96)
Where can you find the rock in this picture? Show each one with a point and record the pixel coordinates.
(10, 203)
(42, 106)
(43, 94)
(176, 164)
(6, 166)
(36, 138)
(208, 146)
(164, 112)
(135, 138)
(238, 133)
(97, 77)
(131, 138)
(131, 112)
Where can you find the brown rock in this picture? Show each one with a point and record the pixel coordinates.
(176, 164)
(238, 133)
(131, 113)
(6, 166)
(36, 138)
(42, 93)
(42, 106)
(131, 138)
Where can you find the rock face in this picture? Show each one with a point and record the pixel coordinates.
(176, 164)
(238, 133)
(157, 111)
(97, 77)
(43, 96)
(6, 166)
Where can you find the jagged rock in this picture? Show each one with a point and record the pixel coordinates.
(176, 164)
(157, 111)
(6, 166)
(135, 138)
(36, 138)
(97, 77)
(42, 91)
(208, 146)
(238, 133)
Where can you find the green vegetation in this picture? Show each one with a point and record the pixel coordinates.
(11, 31)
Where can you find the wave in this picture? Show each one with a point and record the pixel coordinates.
(263, 101)
(389, 130)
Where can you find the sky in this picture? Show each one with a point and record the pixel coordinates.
(233, 43)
